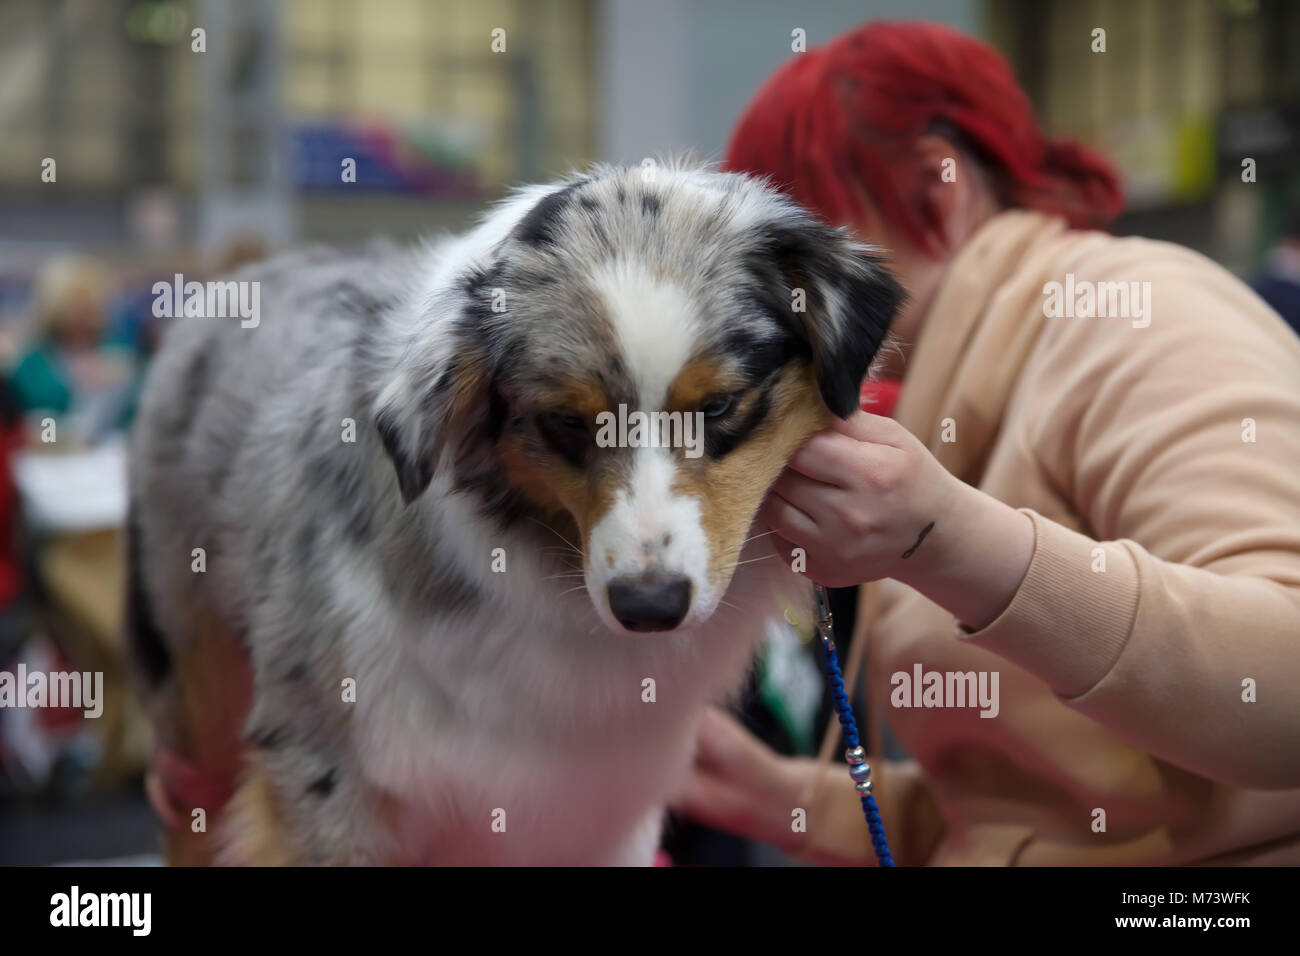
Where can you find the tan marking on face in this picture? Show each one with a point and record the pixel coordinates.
(698, 381)
(597, 498)
(467, 392)
(572, 501)
(547, 482)
(729, 491)
(580, 396)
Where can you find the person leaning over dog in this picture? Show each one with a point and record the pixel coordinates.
(1113, 501)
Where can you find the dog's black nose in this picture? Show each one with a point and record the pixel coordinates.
(650, 602)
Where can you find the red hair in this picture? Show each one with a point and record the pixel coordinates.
(842, 118)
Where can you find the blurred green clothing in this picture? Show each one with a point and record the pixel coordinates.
(39, 381)
(43, 382)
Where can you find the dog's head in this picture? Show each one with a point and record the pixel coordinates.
(633, 358)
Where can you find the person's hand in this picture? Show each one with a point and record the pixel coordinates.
(866, 500)
(740, 785)
(857, 497)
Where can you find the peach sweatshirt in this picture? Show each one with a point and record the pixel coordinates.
(1149, 665)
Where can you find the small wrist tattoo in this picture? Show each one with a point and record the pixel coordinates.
(919, 538)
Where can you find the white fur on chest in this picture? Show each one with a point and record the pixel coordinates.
(529, 734)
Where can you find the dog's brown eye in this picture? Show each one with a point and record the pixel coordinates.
(717, 407)
(561, 421)
(567, 433)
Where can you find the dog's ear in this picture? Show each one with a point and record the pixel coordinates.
(441, 394)
(840, 298)
(418, 415)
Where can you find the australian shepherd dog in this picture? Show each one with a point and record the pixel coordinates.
(399, 590)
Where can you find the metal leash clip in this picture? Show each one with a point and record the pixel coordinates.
(825, 620)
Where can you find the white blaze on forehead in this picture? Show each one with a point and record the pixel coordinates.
(655, 324)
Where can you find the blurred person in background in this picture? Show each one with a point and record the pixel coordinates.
(69, 370)
(1096, 503)
(1279, 284)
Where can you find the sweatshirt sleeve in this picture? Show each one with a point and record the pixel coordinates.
(1173, 617)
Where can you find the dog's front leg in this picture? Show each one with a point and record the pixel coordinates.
(263, 826)
(253, 829)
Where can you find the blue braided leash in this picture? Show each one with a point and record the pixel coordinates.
(859, 769)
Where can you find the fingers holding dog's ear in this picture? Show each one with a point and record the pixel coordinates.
(876, 429)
